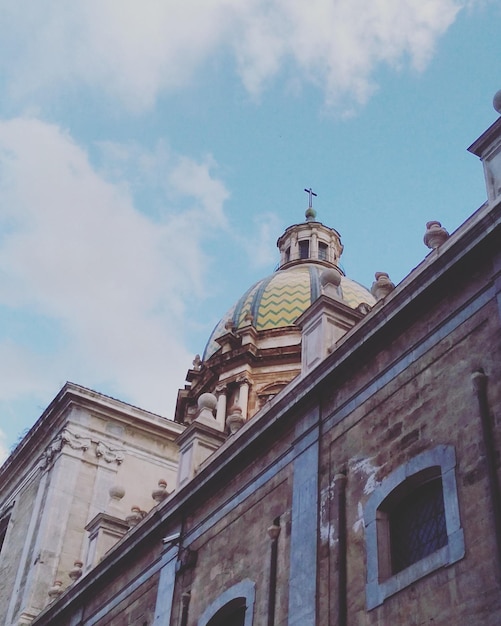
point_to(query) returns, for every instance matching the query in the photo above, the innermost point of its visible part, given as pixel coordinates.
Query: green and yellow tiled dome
(278, 300)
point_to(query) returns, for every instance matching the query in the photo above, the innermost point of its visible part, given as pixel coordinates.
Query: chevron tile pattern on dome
(353, 293)
(283, 299)
(279, 299)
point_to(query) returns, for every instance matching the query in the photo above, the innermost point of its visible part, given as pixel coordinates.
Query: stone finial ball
(496, 101)
(330, 277)
(207, 401)
(117, 491)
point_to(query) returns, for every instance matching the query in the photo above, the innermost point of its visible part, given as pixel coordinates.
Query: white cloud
(260, 242)
(133, 51)
(76, 249)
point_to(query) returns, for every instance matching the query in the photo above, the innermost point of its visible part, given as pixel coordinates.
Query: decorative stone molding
(76, 571)
(52, 449)
(364, 308)
(108, 454)
(55, 591)
(135, 516)
(207, 403)
(244, 379)
(235, 420)
(76, 442)
(191, 413)
(104, 532)
(160, 493)
(330, 279)
(496, 101)
(116, 493)
(435, 235)
(27, 615)
(382, 286)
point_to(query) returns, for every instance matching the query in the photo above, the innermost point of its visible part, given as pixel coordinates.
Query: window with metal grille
(304, 249)
(322, 251)
(412, 524)
(417, 525)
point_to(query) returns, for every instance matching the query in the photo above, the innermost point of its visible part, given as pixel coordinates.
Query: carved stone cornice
(244, 379)
(109, 454)
(76, 442)
(221, 388)
(79, 442)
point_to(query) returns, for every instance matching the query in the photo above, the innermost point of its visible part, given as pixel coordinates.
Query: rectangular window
(304, 249)
(322, 251)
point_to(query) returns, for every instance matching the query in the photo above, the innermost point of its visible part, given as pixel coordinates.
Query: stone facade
(59, 479)
(301, 515)
(398, 385)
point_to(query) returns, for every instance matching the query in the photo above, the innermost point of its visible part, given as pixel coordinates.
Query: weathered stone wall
(415, 394)
(79, 454)
(405, 391)
(235, 545)
(12, 549)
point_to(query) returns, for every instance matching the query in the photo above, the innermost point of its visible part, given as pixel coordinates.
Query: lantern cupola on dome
(255, 349)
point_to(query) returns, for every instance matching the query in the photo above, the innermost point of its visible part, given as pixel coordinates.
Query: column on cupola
(222, 399)
(243, 395)
(294, 247)
(283, 255)
(314, 245)
(331, 251)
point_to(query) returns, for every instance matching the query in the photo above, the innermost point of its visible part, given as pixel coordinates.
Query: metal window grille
(417, 525)
(304, 249)
(322, 251)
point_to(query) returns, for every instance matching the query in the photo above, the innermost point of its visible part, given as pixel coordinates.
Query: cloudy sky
(152, 152)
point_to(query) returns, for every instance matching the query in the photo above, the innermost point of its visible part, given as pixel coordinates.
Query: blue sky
(151, 153)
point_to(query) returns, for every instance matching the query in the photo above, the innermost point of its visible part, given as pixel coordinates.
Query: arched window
(231, 614)
(234, 607)
(412, 525)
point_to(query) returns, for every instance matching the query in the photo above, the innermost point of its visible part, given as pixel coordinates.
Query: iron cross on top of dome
(310, 211)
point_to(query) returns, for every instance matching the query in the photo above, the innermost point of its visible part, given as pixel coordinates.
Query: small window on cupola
(304, 249)
(288, 255)
(322, 251)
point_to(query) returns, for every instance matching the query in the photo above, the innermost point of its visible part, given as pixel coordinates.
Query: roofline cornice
(479, 227)
(52, 418)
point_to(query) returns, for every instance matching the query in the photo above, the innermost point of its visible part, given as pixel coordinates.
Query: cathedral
(332, 458)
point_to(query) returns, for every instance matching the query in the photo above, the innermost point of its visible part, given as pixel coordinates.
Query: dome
(279, 299)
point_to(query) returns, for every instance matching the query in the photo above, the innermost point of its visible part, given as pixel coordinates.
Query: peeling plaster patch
(325, 527)
(364, 466)
(369, 471)
(359, 524)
